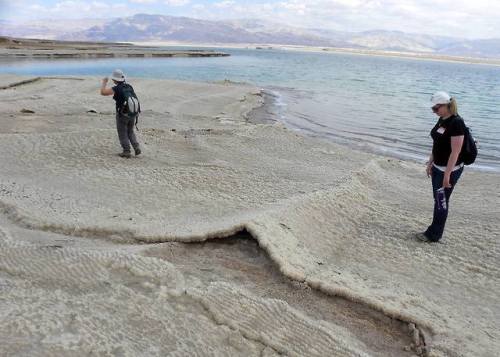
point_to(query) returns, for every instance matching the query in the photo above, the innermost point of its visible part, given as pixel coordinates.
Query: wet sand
(228, 236)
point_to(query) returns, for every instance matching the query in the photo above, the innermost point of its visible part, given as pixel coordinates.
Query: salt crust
(338, 220)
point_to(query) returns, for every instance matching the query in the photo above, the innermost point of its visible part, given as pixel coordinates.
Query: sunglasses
(436, 107)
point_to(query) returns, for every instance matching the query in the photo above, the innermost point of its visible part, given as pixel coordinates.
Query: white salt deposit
(338, 220)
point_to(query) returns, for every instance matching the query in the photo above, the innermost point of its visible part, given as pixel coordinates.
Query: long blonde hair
(453, 106)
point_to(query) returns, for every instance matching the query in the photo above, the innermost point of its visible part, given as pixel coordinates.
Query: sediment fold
(256, 229)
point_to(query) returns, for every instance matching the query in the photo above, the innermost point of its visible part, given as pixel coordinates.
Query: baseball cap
(440, 98)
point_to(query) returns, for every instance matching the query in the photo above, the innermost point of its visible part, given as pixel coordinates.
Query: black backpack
(130, 106)
(468, 153)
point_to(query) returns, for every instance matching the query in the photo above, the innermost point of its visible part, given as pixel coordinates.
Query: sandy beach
(228, 236)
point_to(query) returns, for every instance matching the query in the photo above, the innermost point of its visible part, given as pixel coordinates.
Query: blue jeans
(435, 231)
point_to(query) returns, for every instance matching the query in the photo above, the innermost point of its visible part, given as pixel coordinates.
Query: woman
(445, 165)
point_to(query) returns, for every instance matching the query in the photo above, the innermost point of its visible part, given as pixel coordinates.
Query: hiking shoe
(137, 151)
(125, 154)
(422, 237)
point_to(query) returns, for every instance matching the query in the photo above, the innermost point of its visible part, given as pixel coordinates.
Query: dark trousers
(436, 229)
(126, 134)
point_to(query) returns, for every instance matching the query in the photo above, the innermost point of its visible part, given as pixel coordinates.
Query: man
(124, 121)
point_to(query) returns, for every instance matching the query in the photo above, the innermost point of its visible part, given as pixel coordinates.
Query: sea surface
(374, 103)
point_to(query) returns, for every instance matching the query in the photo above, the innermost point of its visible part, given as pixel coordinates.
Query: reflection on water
(374, 103)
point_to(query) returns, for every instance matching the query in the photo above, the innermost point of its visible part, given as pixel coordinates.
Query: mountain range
(144, 27)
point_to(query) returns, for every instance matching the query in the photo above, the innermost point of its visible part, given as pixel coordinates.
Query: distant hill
(168, 28)
(143, 27)
(476, 48)
(401, 41)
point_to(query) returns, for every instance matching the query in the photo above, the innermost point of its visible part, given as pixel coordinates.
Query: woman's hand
(456, 147)
(428, 169)
(446, 181)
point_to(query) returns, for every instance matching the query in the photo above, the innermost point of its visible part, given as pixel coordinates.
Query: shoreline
(323, 49)
(271, 111)
(324, 213)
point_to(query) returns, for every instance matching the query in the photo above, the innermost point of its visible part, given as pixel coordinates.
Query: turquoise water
(378, 104)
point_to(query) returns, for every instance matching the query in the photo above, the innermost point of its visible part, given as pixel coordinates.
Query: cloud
(459, 18)
(445, 17)
(198, 7)
(176, 2)
(69, 9)
(224, 4)
(143, 1)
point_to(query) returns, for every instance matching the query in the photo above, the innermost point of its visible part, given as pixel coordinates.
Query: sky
(457, 18)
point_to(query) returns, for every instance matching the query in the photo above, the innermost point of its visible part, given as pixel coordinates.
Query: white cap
(440, 98)
(118, 75)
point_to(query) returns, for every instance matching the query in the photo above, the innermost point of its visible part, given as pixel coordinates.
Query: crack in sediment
(418, 337)
(15, 215)
(126, 236)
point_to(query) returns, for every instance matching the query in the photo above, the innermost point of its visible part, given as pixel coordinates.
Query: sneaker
(125, 154)
(137, 151)
(422, 237)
